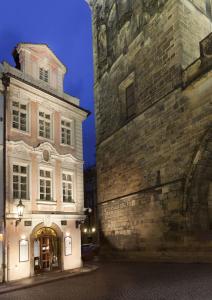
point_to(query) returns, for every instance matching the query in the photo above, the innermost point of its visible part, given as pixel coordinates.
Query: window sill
(69, 204)
(46, 139)
(68, 146)
(28, 133)
(46, 202)
(23, 200)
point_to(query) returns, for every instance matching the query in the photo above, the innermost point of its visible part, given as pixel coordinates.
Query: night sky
(66, 27)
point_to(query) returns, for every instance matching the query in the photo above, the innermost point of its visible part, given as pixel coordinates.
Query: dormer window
(44, 74)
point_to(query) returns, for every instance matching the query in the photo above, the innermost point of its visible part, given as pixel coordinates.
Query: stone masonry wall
(153, 217)
(143, 163)
(192, 18)
(154, 48)
(153, 55)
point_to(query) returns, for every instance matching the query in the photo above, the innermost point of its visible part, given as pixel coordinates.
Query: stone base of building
(160, 224)
(183, 256)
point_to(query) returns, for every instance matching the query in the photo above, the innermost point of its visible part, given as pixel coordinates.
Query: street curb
(9, 289)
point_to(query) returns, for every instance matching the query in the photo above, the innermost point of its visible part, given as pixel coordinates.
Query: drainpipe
(6, 83)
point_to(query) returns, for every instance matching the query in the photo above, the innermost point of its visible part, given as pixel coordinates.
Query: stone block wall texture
(154, 170)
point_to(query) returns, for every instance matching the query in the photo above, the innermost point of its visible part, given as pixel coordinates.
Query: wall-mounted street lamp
(78, 223)
(89, 230)
(20, 212)
(88, 210)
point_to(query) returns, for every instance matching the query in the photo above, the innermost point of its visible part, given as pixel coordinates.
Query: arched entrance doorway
(198, 187)
(46, 250)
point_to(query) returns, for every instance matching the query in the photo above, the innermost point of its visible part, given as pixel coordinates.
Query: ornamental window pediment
(22, 149)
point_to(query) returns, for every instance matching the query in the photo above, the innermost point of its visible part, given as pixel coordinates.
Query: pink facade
(44, 167)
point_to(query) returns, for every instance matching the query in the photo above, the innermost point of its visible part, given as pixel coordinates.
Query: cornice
(24, 79)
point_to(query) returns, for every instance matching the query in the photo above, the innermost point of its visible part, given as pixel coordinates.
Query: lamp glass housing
(20, 209)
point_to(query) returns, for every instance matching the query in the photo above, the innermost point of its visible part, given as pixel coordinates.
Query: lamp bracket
(78, 223)
(17, 222)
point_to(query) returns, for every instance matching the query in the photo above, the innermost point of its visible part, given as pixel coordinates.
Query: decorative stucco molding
(21, 145)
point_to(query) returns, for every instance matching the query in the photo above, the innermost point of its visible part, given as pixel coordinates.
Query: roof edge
(20, 45)
(47, 92)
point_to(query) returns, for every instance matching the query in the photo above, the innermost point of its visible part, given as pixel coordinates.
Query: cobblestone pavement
(128, 281)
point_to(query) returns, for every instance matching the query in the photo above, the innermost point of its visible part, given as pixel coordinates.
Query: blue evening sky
(66, 27)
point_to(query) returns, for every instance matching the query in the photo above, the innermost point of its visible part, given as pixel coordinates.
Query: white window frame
(71, 121)
(44, 168)
(21, 102)
(28, 176)
(42, 76)
(72, 173)
(68, 173)
(49, 112)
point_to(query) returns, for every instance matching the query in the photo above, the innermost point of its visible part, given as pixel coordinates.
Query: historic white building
(41, 165)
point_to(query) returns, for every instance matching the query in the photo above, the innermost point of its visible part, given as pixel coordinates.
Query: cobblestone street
(128, 281)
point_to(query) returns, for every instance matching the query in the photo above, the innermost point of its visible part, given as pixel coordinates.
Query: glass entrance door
(46, 250)
(45, 253)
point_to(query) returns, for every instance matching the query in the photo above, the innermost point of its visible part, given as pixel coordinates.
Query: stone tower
(153, 85)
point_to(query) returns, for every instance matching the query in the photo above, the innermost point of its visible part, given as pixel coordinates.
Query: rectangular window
(44, 125)
(19, 116)
(44, 74)
(65, 132)
(208, 8)
(20, 182)
(130, 100)
(67, 188)
(45, 185)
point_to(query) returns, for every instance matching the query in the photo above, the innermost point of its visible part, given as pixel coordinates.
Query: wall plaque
(27, 223)
(23, 250)
(36, 248)
(63, 222)
(68, 245)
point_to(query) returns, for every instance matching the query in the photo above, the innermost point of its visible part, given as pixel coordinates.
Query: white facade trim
(44, 146)
(40, 216)
(23, 46)
(39, 95)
